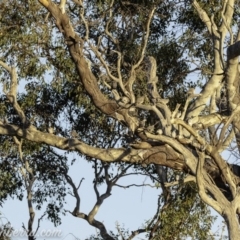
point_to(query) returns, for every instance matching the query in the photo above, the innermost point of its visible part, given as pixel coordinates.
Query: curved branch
(226, 125)
(163, 155)
(12, 93)
(205, 18)
(155, 110)
(74, 44)
(218, 73)
(136, 232)
(189, 158)
(202, 184)
(135, 66)
(226, 172)
(195, 134)
(75, 47)
(90, 217)
(115, 41)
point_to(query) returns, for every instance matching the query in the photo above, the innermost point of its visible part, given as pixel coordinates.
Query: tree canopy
(134, 87)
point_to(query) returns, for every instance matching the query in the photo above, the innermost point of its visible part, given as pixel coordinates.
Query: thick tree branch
(189, 158)
(163, 155)
(218, 73)
(212, 28)
(194, 133)
(5, 66)
(227, 12)
(225, 170)
(232, 81)
(75, 46)
(232, 76)
(202, 184)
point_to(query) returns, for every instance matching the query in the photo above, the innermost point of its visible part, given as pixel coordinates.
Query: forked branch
(12, 92)
(143, 49)
(202, 184)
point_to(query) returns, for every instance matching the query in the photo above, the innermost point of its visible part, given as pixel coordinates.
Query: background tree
(120, 73)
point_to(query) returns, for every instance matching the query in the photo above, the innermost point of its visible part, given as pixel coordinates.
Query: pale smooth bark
(189, 150)
(232, 223)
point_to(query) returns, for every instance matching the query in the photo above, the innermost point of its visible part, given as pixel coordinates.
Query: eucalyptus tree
(124, 72)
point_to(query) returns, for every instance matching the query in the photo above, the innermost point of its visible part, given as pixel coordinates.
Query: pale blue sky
(129, 207)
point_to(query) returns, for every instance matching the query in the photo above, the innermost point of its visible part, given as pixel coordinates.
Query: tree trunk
(232, 225)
